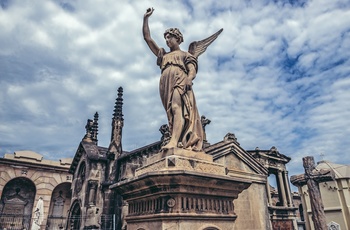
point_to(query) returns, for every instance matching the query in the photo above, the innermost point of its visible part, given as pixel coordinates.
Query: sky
(278, 75)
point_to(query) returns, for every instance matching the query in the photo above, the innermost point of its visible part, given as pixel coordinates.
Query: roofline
(35, 165)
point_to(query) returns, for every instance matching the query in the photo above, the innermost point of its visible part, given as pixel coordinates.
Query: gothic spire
(115, 147)
(118, 107)
(117, 123)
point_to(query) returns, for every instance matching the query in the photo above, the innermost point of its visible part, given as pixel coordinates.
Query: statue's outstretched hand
(148, 12)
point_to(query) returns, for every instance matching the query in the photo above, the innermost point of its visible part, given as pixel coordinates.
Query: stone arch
(75, 216)
(17, 203)
(210, 227)
(59, 206)
(80, 177)
(301, 212)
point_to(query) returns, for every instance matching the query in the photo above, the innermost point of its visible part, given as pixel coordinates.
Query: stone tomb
(181, 189)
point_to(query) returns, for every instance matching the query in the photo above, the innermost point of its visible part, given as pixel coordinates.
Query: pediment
(233, 156)
(90, 151)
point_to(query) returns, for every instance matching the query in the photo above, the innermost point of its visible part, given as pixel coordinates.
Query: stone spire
(117, 124)
(95, 129)
(118, 107)
(115, 147)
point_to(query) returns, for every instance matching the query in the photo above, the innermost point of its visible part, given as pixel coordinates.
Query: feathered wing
(196, 48)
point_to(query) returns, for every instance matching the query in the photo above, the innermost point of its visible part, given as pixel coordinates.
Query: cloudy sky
(278, 75)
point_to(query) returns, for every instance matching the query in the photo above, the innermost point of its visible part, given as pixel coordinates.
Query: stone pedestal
(180, 189)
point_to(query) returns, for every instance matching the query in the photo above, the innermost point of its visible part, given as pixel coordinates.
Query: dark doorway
(17, 202)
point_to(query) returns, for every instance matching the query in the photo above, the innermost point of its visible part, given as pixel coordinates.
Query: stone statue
(38, 214)
(178, 69)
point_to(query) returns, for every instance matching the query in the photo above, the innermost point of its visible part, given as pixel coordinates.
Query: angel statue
(178, 69)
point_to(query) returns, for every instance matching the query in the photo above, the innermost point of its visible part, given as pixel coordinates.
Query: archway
(301, 212)
(211, 228)
(17, 202)
(59, 206)
(74, 216)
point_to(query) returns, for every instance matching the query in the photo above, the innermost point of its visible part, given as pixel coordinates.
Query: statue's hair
(175, 32)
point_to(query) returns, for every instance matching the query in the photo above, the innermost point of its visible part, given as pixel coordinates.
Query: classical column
(282, 188)
(268, 192)
(287, 187)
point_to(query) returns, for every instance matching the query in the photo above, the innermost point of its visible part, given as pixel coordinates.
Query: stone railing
(183, 204)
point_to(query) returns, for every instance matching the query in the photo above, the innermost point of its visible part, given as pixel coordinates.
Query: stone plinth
(177, 191)
(181, 159)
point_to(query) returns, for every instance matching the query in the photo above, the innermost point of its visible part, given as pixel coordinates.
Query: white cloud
(277, 75)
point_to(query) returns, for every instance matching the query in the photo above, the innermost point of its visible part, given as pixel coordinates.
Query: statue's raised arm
(147, 34)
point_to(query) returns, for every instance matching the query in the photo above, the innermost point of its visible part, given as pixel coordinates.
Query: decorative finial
(205, 121)
(164, 130)
(95, 128)
(322, 156)
(230, 137)
(118, 107)
(88, 128)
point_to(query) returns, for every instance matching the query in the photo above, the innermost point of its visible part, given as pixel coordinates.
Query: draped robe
(174, 73)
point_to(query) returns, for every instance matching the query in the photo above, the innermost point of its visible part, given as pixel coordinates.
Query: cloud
(277, 75)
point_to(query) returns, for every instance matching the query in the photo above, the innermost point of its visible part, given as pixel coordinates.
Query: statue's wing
(196, 48)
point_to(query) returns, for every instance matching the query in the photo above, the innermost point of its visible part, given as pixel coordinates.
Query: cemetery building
(147, 189)
(109, 188)
(25, 177)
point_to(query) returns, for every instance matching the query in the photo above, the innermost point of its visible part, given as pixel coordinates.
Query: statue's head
(176, 33)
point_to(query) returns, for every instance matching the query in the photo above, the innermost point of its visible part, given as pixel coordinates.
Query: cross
(322, 156)
(312, 178)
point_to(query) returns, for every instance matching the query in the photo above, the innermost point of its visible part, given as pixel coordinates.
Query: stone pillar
(268, 191)
(282, 188)
(287, 188)
(92, 192)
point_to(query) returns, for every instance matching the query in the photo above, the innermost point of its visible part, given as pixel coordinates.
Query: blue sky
(278, 75)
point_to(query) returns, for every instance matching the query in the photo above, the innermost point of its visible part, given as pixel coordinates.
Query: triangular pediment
(233, 156)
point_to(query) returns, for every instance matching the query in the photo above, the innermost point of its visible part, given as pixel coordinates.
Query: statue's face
(171, 41)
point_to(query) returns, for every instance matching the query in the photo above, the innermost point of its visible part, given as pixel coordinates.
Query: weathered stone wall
(251, 205)
(335, 203)
(251, 208)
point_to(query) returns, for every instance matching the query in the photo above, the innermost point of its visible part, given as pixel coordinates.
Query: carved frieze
(182, 163)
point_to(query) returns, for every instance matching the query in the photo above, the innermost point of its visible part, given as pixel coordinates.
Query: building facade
(25, 177)
(92, 190)
(101, 176)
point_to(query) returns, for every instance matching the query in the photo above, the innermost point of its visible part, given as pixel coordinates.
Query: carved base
(181, 159)
(201, 155)
(182, 192)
